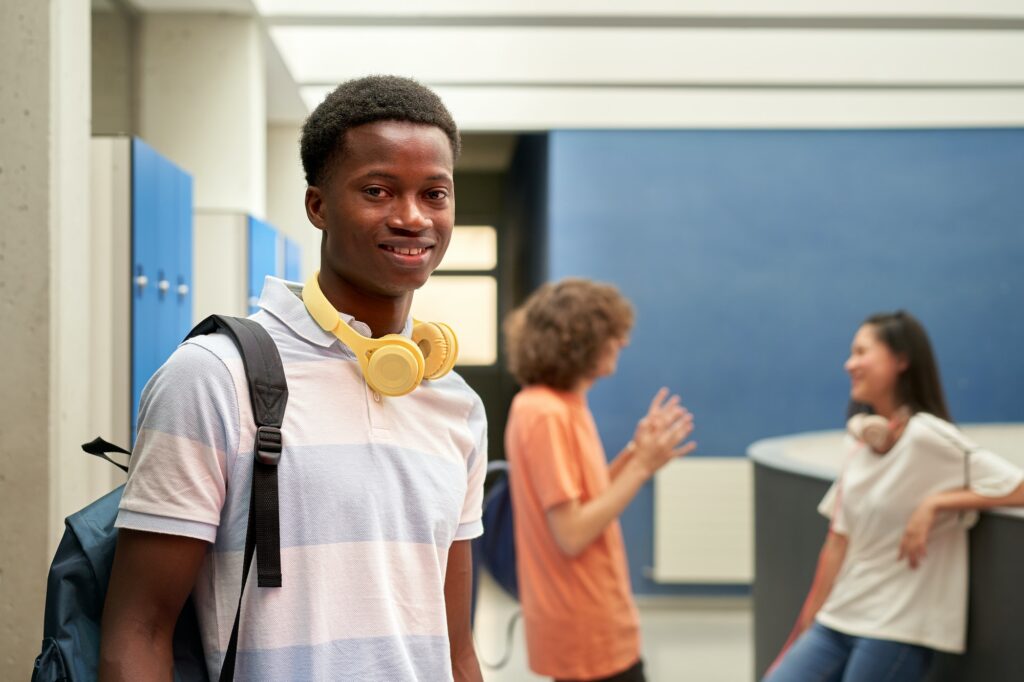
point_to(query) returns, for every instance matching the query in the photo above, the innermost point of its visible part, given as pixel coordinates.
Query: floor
(699, 639)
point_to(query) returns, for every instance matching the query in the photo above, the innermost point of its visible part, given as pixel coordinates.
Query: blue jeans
(824, 655)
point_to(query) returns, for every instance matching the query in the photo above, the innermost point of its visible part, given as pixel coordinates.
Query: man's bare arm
(152, 576)
(458, 595)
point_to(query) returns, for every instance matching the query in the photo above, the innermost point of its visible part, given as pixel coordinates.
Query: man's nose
(408, 215)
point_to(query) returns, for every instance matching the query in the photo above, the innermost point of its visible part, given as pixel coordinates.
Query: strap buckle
(268, 445)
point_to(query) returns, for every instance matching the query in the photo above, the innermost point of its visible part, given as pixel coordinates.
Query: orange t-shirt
(581, 621)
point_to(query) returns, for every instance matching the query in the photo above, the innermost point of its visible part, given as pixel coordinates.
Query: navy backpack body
(77, 584)
(77, 587)
(496, 548)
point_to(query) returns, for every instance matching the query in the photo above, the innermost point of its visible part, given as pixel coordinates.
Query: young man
(379, 496)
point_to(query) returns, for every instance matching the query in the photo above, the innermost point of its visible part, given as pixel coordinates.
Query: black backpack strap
(101, 448)
(268, 392)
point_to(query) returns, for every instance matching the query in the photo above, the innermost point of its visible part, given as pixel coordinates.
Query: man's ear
(315, 207)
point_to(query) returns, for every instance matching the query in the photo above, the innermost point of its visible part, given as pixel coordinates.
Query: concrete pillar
(286, 187)
(44, 208)
(202, 103)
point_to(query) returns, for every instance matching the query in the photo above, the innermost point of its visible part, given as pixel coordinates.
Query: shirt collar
(283, 300)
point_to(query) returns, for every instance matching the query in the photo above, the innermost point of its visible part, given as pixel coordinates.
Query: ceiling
(507, 66)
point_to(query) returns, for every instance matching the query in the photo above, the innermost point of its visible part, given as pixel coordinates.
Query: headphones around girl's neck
(877, 432)
(392, 365)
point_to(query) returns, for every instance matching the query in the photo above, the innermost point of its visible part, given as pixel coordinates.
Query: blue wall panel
(752, 256)
(263, 258)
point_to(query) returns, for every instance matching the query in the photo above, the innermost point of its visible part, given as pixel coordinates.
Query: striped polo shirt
(373, 491)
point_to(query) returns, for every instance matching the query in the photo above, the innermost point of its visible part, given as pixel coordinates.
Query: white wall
(286, 187)
(113, 70)
(201, 89)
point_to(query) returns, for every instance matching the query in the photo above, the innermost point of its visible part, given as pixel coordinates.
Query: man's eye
(374, 191)
(437, 194)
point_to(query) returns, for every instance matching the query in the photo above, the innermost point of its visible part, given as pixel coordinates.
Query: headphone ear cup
(452, 356)
(434, 344)
(396, 367)
(871, 429)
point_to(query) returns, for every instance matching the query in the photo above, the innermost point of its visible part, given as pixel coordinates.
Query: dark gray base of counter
(788, 536)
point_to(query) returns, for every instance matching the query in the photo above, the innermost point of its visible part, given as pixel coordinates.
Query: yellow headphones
(392, 365)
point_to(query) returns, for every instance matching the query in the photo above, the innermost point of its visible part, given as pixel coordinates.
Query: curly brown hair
(557, 336)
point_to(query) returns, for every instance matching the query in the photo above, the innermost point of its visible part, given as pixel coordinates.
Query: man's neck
(382, 314)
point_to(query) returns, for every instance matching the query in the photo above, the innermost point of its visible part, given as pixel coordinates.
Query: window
(463, 293)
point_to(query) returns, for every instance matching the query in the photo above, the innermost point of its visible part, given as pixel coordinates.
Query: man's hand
(913, 546)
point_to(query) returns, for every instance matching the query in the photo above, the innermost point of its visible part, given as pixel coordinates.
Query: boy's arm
(458, 594)
(658, 440)
(152, 576)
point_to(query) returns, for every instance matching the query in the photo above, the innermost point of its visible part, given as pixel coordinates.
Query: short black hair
(366, 100)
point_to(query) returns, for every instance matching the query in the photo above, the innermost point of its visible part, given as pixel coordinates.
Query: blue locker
(161, 238)
(263, 258)
(292, 260)
(183, 283)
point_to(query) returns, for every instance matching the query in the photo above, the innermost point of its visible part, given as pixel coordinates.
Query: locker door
(292, 260)
(145, 268)
(183, 285)
(262, 258)
(167, 260)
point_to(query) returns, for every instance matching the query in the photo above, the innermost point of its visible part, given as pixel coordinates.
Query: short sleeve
(550, 462)
(470, 521)
(990, 475)
(984, 472)
(831, 508)
(188, 427)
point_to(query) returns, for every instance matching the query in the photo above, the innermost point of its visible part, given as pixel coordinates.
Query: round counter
(792, 473)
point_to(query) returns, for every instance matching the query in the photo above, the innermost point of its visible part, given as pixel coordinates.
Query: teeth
(405, 252)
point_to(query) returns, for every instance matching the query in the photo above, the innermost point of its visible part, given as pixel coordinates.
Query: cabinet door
(145, 346)
(263, 258)
(167, 259)
(183, 283)
(161, 236)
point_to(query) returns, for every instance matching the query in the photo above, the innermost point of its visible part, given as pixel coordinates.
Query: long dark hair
(919, 386)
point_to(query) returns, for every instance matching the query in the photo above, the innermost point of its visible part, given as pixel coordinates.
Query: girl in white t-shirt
(891, 586)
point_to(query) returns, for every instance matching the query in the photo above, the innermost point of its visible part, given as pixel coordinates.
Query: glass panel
(473, 247)
(469, 305)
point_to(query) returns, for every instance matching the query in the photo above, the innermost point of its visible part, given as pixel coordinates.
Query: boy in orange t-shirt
(581, 621)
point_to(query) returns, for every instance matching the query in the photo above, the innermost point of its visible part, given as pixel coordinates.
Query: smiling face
(874, 370)
(387, 209)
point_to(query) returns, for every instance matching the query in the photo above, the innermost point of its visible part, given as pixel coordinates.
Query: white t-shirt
(876, 594)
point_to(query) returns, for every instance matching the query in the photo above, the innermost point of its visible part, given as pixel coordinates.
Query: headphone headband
(392, 365)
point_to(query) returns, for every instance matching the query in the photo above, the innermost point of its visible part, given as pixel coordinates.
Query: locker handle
(141, 281)
(183, 290)
(163, 285)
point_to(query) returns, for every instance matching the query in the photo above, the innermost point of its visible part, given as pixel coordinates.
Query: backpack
(496, 549)
(77, 583)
